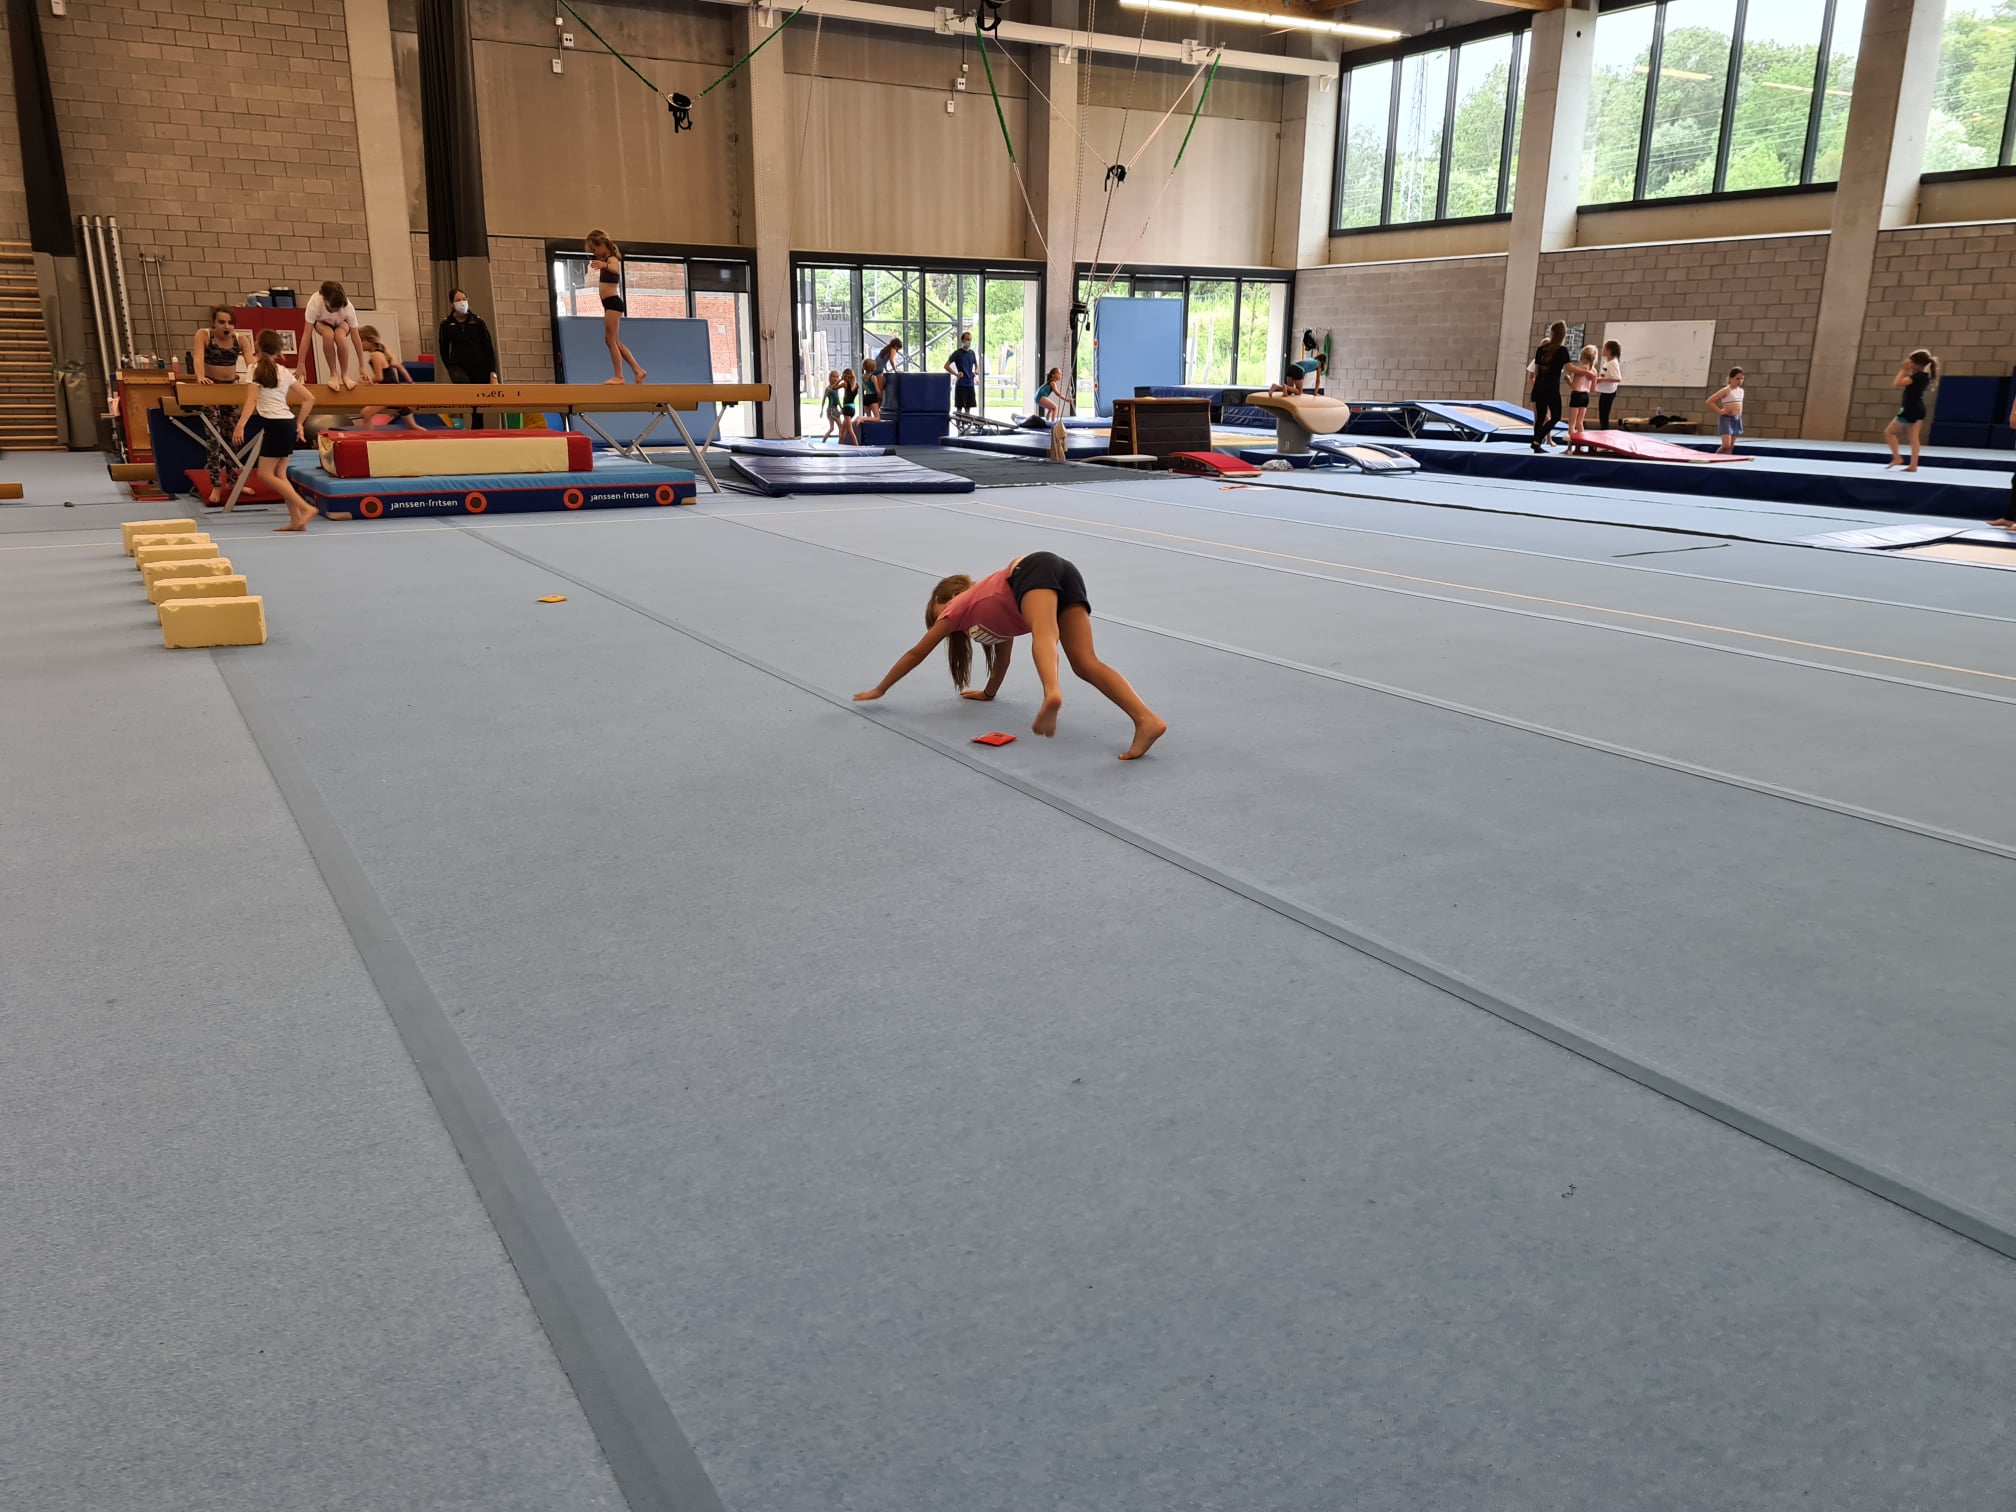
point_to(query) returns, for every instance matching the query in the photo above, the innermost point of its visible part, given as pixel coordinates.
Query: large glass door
(845, 312)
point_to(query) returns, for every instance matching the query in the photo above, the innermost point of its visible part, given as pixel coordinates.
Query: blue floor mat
(781, 474)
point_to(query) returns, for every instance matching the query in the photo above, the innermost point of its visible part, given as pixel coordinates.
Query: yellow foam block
(214, 622)
(155, 572)
(194, 538)
(230, 585)
(151, 527)
(187, 553)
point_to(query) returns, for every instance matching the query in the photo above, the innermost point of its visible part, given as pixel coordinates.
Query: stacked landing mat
(384, 453)
(843, 473)
(614, 483)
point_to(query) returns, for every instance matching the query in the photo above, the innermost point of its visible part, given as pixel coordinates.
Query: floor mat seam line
(653, 1462)
(1558, 619)
(1556, 556)
(1567, 737)
(1893, 1187)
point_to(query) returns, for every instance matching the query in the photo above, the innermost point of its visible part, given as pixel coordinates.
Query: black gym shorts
(1046, 569)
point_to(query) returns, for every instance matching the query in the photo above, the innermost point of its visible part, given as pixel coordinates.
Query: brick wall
(13, 200)
(1407, 330)
(524, 319)
(1762, 293)
(259, 186)
(1942, 287)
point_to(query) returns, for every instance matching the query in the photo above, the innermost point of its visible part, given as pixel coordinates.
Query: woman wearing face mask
(464, 350)
(964, 364)
(467, 353)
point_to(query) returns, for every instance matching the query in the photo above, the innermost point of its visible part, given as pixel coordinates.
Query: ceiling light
(1264, 18)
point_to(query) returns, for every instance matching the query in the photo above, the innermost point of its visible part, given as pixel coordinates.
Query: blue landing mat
(616, 483)
(1863, 454)
(1827, 485)
(779, 475)
(1077, 444)
(758, 447)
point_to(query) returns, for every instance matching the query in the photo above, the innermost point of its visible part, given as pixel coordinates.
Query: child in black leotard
(380, 368)
(1919, 372)
(607, 264)
(849, 391)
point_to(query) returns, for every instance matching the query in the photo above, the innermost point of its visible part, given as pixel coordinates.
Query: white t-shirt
(319, 313)
(1612, 377)
(271, 403)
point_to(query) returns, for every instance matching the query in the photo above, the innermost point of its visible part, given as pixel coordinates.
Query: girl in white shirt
(269, 394)
(1609, 379)
(1726, 403)
(331, 316)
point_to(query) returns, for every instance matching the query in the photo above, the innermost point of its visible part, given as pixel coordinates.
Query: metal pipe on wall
(125, 301)
(97, 299)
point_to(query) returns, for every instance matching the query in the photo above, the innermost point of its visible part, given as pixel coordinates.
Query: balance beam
(585, 400)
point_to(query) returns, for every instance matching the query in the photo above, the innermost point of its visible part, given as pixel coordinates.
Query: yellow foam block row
(231, 585)
(214, 622)
(152, 527)
(191, 552)
(155, 572)
(194, 538)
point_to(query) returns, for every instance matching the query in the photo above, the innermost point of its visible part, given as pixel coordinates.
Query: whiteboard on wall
(1664, 353)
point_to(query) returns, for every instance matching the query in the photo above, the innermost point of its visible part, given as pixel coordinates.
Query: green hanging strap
(1196, 113)
(999, 114)
(752, 51)
(589, 27)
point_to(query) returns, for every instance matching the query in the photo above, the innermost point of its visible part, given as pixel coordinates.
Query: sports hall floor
(1538, 1033)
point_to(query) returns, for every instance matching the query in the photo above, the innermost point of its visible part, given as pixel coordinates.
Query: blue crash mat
(853, 472)
(615, 483)
(1078, 444)
(760, 447)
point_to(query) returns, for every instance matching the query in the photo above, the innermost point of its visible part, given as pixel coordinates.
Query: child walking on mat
(1041, 596)
(270, 392)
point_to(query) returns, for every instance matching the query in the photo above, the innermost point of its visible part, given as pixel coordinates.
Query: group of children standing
(1602, 373)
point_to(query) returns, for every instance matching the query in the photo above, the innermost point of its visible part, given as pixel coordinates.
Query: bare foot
(1912, 468)
(1046, 717)
(2002, 524)
(1146, 733)
(607, 381)
(283, 529)
(641, 375)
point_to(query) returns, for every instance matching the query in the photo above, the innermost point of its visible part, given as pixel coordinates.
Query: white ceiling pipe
(948, 22)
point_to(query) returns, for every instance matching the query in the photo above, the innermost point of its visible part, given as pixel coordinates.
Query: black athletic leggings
(1546, 414)
(1603, 403)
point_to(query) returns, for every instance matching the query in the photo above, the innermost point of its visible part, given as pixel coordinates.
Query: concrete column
(1880, 164)
(1308, 162)
(375, 100)
(1050, 169)
(769, 155)
(1559, 51)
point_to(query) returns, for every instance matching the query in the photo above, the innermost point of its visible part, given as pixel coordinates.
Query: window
(1361, 188)
(1233, 325)
(1693, 97)
(658, 286)
(1430, 136)
(845, 311)
(1970, 103)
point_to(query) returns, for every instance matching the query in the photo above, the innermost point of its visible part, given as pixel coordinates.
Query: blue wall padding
(671, 351)
(1971, 401)
(1139, 344)
(918, 393)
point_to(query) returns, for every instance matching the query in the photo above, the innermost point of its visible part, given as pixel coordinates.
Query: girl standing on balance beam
(607, 263)
(1041, 596)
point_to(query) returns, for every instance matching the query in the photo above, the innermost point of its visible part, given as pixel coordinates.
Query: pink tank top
(1581, 385)
(987, 611)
